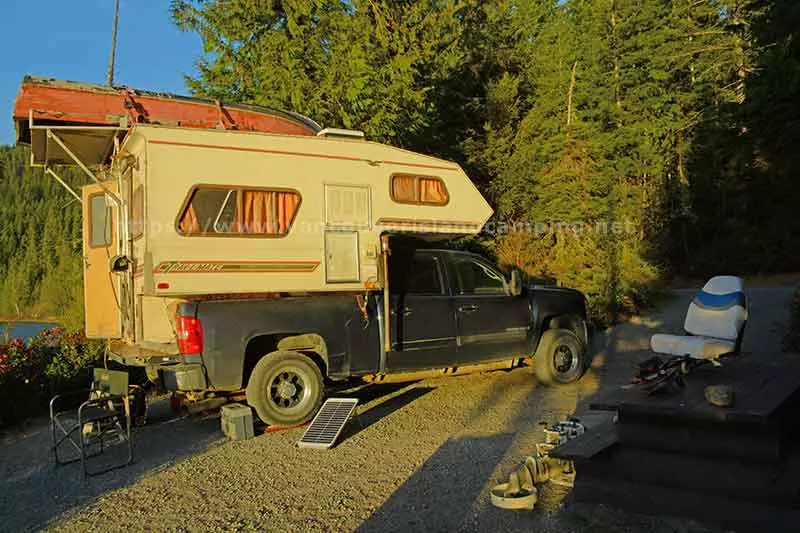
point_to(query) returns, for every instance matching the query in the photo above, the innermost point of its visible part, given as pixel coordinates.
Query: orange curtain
(404, 188)
(189, 222)
(432, 191)
(264, 212)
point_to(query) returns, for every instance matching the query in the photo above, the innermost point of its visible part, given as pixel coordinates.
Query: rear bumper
(174, 371)
(183, 377)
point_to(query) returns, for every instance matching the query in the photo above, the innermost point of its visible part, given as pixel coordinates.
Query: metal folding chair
(103, 418)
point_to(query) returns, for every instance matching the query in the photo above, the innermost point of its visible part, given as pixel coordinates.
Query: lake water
(23, 330)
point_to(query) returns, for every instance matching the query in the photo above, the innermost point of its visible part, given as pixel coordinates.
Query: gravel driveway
(421, 456)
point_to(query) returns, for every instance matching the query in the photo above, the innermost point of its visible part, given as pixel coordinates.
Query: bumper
(174, 371)
(182, 377)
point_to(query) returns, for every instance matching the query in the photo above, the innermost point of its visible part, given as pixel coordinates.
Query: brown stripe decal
(300, 154)
(418, 223)
(234, 267)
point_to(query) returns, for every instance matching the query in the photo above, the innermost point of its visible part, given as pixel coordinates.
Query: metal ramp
(328, 423)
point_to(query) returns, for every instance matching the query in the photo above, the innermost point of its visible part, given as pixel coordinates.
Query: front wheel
(285, 388)
(560, 357)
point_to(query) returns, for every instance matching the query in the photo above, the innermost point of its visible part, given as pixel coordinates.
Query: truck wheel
(285, 388)
(560, 357)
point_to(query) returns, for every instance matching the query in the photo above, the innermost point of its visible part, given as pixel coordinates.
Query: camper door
(100, 244)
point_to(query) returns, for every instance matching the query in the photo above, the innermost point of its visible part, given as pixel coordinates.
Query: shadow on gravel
(33, 492)
(373, 391)
(383, 409)
(439, 495)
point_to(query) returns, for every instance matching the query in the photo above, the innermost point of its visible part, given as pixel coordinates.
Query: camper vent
(338, 133)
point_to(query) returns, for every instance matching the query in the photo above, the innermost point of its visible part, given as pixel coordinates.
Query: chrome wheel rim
(287, 389)
(564, 359)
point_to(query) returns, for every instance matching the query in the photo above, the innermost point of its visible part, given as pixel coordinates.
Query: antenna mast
(110, 73)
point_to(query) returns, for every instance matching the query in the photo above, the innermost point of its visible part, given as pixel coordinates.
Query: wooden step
(736, 441)
(709, 507)
(745, 480)
(591, 443)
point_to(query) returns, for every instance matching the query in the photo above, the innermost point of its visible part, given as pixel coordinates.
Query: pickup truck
(448, 310)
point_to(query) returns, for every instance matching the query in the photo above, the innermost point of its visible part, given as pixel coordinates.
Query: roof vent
(338, 133)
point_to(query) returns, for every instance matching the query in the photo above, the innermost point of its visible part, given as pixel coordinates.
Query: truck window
(475, 277)
(413, 189)
(231, 211)
(418, 274)
(99, 221)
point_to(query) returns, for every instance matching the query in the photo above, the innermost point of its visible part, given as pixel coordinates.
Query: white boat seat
(691, 345)
(714, 322)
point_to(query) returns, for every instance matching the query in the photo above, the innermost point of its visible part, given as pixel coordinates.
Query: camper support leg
(387, 318)
(57, 139)
(63, 184)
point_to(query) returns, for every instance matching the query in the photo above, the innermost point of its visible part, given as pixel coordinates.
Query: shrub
(32, 372)
(614, 279)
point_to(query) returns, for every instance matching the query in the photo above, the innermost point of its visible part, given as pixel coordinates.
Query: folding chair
(104, 417)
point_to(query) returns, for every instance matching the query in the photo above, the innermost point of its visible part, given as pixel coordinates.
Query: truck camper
(234, 248)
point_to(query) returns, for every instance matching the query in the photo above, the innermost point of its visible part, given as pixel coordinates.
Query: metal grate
(328, 424)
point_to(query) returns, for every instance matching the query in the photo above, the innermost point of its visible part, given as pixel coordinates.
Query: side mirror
(119, 263)
(516, 282)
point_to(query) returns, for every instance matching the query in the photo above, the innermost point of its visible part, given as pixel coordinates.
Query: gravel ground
(421, 456)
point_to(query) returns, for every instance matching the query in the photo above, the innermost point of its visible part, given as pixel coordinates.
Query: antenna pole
(110, 73)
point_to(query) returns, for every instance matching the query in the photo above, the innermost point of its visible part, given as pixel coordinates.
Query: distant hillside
(40, 243)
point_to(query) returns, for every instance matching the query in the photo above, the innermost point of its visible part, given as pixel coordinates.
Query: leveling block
(328, 424)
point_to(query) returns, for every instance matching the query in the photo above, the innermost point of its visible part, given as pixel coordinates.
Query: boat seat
(714, 323)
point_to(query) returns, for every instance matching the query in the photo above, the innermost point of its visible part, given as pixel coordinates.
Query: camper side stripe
(233, 267)
(300, 154)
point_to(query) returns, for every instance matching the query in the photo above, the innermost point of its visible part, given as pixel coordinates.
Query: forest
(621, 142)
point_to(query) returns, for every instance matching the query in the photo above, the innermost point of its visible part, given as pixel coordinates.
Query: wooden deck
(675, 453)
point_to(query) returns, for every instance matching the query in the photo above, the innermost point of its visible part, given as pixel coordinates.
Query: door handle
(467, 308)
(405, 311)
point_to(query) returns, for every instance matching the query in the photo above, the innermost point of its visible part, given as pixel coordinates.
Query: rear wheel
(285, 388)
(560, 357)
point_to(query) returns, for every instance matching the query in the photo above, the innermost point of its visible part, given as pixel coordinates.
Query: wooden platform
(736, 467)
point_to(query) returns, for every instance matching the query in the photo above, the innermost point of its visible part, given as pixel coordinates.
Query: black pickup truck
(448, 310)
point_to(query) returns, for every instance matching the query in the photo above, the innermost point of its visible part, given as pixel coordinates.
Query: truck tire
(285, 388)
(560, 357)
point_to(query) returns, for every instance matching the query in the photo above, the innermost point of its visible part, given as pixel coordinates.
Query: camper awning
(90, 145)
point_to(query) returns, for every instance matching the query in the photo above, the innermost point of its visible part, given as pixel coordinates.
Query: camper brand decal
(232, 267)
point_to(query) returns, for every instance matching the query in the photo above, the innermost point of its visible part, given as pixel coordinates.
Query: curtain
(189, 222)
(404, 188)
(264, 212)
(432, 191)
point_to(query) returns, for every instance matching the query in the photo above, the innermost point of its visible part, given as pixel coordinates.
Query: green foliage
(40, 243)
(51, 363)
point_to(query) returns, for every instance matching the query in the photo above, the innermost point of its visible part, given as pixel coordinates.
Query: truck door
(423, 323)
(100, 244)
(492, 324)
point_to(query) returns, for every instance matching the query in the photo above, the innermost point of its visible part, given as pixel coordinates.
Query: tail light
(190, 335)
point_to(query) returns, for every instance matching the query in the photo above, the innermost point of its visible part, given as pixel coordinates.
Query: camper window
(234, 211)
(413, 189)
(99, 221)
